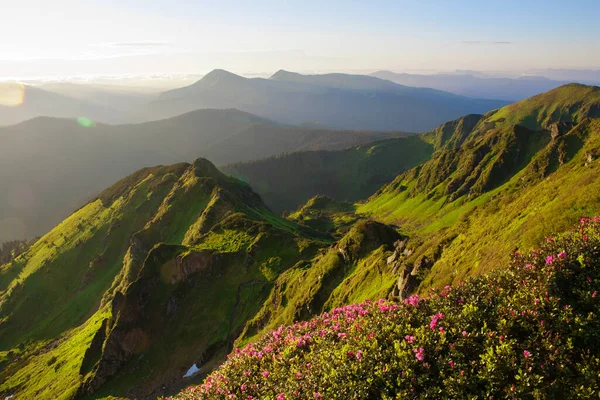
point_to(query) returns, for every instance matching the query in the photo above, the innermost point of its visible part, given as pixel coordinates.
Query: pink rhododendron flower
(419, 353)
(412, 300)
(434, 320)
(526, 353)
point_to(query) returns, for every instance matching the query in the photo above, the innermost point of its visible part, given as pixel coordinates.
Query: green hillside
(522, 172)
(192, 248)
(169, 268)
(286, 181)
(527, 331)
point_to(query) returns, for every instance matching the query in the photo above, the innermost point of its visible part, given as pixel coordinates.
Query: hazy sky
(81, 37)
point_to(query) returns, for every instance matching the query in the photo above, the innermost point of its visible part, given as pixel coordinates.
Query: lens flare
(86, 122)
(12, 94)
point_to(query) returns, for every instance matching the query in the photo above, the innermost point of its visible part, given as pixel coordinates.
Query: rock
(392, 258)
(410, 277)
(344, 254)
(559, 128)
(95, 350)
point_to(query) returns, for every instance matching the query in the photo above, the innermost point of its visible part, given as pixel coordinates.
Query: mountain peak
(571, 102)
(203, 167)
(219, 75)
(284, 75)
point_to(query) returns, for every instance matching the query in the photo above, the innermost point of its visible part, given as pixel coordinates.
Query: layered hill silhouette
(129, 100)
(336, 100)
(49, 167)
(510, 89)
(288, 180)
(19, 102)
(148, 286)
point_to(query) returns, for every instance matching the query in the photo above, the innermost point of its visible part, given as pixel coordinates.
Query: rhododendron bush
(531, 330)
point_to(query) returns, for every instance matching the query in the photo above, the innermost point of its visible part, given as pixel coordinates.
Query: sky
(65, 38)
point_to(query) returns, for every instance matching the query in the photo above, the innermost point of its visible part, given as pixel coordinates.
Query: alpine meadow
(413, 213)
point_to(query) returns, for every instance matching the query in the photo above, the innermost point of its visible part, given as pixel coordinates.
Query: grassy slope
(527, 331)
(484, 199)
(289, 180)
(200, 245)
(50, 291)
(352, 269)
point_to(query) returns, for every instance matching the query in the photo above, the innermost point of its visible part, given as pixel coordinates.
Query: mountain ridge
(342, 101)
(70, 163)
(510, 89)
(501, 167)
(27, 102)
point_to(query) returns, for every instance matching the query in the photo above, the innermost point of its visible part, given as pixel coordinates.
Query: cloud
(136, 44)
(482, 42)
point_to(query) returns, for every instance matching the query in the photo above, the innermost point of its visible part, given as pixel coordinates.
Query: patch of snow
(193, 369)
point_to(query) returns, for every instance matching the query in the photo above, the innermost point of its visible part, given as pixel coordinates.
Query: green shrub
(529, 331)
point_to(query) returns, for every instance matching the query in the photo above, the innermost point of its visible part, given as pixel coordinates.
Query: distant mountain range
(129, 100)
(340, 101)
(49, 166)
(508, 89)
(20, 102)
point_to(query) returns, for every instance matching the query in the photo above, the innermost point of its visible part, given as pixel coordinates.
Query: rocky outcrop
(410, 275)
(560, 128)
(94, 352)
(130, 331)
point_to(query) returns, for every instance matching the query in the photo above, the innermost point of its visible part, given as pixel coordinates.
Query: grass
(51, 370)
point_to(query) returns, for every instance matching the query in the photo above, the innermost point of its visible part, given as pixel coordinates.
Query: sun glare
(86, 122)
(12, 94)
